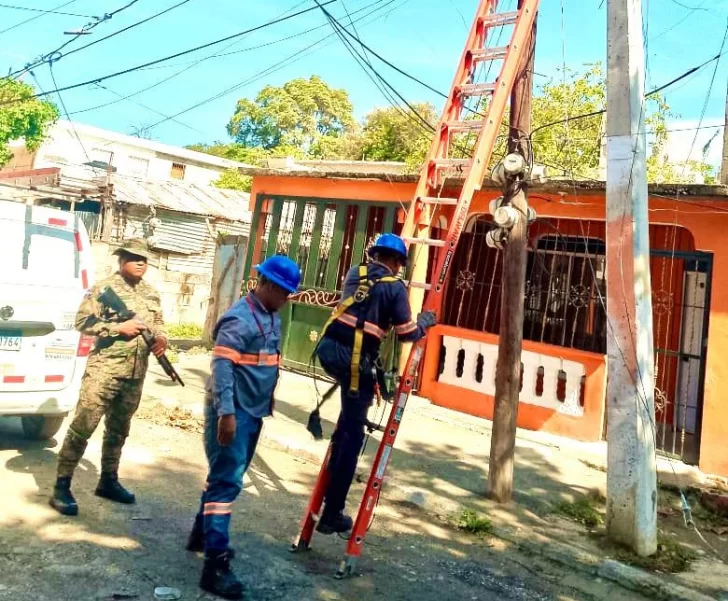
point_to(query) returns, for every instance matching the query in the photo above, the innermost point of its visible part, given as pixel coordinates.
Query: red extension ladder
(453, 123)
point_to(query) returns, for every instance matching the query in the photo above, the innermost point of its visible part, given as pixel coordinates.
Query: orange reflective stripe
(373, 329)
(217, 509)
(405, 328)
(369, 327)
(348, 319)
(224, 352)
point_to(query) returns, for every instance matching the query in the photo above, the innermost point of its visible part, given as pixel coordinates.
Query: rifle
(109, 298)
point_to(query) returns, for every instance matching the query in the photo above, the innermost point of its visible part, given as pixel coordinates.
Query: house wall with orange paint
(703, 214)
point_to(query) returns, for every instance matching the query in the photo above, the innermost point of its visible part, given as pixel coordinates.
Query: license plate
(10, 343)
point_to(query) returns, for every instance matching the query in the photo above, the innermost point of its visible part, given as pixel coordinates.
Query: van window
(50, 259)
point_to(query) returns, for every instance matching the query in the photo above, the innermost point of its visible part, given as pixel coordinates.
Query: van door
(44, 277)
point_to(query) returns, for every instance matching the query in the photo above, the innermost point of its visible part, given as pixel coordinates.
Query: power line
(65, 111)
(707, 100)
(149, 108)
(338, 27)
(662, 88)
(193, 64)
(56, 55)
(177, 54)
(43, 14)
(296, 56)
(46, 12)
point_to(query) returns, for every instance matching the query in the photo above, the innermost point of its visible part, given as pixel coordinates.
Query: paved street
(413, 550)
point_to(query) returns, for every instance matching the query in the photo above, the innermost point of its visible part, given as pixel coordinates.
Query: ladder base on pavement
(300, 546)
(346, 568)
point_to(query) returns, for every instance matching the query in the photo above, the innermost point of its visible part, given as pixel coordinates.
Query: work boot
(62, 500)
(196, 542)
(334, 522)
(109, 488)
(218, 577)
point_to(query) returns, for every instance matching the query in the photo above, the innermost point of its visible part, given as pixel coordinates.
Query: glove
(427, 319)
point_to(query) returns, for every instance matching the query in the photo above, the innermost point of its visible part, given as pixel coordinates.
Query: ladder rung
(433, 200)
(427, 241)
(500, 19)
(450, 163)
(468, 125)
(490, 54)
(420, 285)
(477, 89)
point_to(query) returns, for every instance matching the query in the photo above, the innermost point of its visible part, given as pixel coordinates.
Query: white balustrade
(552, 366)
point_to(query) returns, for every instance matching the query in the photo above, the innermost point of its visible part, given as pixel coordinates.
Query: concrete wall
(62, 149)
(705, 217)
(184, 296)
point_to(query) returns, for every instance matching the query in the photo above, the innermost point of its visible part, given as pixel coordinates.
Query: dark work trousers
(227, 465)
(347, 440)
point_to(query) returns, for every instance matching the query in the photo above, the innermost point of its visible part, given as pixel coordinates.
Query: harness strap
(361, 295)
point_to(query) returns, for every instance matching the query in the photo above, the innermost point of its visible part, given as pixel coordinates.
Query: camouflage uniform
(112, 384)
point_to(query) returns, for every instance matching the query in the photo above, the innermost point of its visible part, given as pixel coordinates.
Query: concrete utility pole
(631, 477)
(724, 162)
(508, 368)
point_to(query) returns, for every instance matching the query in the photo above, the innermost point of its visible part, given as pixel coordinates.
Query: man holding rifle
(112, 384)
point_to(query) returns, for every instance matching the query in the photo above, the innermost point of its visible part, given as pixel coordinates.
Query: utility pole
(724, 162)
(631, 475)
(107, 222)
(508, 368)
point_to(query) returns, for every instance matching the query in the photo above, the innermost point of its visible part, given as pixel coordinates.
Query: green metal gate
(325, 237)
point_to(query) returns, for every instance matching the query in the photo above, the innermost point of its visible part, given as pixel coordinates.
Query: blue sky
(424, 37)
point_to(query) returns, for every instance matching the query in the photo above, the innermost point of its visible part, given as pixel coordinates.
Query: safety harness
(360, 296)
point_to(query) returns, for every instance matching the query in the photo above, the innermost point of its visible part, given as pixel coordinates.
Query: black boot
(196, 542)
(334, 522)
(62, 500)
(109, 488)
(218, 577)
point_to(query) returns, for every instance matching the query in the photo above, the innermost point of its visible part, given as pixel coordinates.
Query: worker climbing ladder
(458, 118)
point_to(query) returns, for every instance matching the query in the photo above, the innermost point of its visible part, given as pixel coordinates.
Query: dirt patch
(175, 416)
(672, 557)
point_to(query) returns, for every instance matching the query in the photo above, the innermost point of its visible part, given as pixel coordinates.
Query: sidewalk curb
(623, 575)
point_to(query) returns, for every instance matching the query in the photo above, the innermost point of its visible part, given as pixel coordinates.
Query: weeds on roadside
(185, 331)
(469, 521)
(583, 511)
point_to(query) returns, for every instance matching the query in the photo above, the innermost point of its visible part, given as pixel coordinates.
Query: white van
(46, 267)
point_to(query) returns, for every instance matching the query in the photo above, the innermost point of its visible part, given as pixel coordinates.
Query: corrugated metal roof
(184, 197)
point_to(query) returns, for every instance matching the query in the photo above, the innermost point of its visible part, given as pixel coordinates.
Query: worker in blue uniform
(239, 395)
(374, 300)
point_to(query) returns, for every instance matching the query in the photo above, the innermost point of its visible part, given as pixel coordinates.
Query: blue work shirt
(387, 306)
(246, 358)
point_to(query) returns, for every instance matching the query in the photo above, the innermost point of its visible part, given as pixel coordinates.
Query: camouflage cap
(136, 247)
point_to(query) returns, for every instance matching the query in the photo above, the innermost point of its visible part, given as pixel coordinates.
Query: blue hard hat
(281, 271)
(391, 243)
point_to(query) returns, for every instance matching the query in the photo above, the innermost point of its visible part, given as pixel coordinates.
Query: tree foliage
(575, 144)
(391, 134)
(232, 179)
(24, 118)
(303, 113)
(306, 118)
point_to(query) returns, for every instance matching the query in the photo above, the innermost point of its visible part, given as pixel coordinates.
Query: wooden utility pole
(724, 162)
(631, 475)
(508, 368)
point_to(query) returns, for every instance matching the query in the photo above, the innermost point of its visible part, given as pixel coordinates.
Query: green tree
(24, 117)
(575, 144)
(391, 134)
(232, 179)
(303, 113)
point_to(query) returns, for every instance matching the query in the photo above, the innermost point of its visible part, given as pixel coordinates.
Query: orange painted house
(325, 220)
